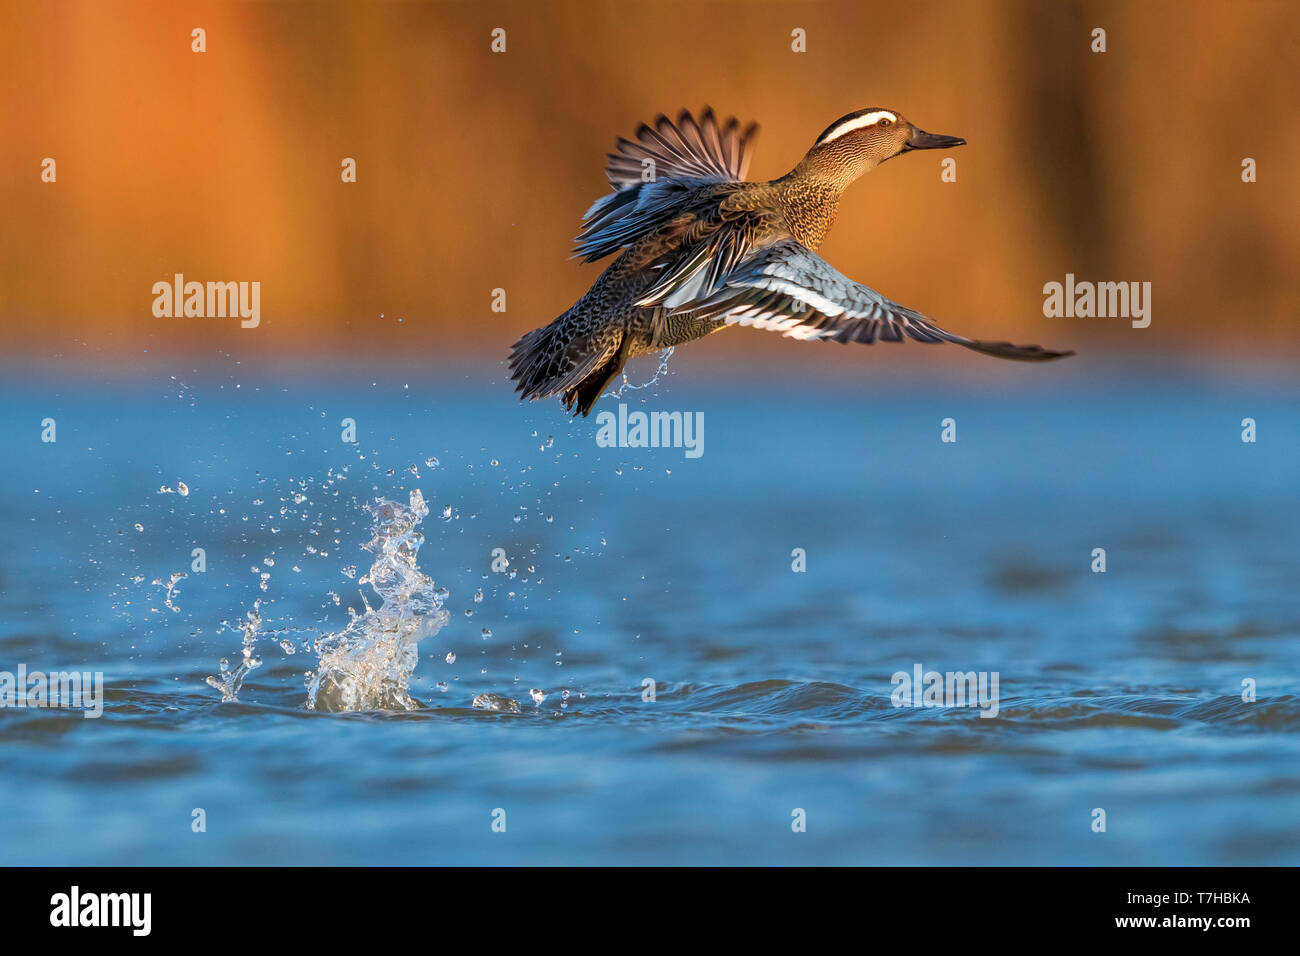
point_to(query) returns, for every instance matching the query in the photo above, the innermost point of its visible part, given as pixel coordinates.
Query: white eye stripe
(858, 122)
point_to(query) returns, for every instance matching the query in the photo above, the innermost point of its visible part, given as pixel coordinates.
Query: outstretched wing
(786, 287)
(663, 170)
(705, 150)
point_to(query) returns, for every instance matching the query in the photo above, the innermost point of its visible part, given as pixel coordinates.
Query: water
(392, 685)
(368, 665)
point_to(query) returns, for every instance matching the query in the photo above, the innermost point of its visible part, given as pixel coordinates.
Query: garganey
(701, 249)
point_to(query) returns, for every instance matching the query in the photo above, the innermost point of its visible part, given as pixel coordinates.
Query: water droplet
(496, 702)
(451, 657)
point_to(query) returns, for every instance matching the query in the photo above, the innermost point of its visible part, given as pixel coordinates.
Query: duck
(699, 249)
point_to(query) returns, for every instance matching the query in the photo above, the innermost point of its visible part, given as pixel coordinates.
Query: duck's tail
(561, 359)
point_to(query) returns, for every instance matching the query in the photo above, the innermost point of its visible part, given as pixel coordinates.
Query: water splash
(662, 370)
(368, 665)
(228, 681)
(172, 590)
(497, 703)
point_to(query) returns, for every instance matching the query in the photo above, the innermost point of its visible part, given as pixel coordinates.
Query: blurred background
(1121, 690)
(473, 168)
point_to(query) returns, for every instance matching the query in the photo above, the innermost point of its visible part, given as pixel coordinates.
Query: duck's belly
(651, 330)
(612, 301)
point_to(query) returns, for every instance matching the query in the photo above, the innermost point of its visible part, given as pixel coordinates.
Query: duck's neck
(809, 204)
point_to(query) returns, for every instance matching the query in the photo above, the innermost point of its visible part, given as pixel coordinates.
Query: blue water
(1119, 690)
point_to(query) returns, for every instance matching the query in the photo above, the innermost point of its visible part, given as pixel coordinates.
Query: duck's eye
(883, 122)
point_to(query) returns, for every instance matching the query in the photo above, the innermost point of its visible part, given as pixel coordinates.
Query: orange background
(474, 167)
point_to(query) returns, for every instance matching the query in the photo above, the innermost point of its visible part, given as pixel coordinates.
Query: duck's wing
(664, 169)
(788, 288)
(688, 149)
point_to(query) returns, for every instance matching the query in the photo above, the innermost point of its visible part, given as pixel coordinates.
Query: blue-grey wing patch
(705, 258)
(786, 287)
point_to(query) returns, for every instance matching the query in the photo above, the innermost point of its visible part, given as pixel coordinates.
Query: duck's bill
(923, 140)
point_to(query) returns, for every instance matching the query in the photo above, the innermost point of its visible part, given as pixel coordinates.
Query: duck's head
(863, 140)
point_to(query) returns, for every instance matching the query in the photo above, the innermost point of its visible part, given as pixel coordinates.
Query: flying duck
(701, 249)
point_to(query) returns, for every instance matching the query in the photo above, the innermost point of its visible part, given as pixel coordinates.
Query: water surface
(1119, 690)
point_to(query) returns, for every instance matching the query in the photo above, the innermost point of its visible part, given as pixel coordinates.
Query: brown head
(863, 140)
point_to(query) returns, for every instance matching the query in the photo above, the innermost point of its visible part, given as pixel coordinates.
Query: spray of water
(368, 665)
(229, 681)
(662, 370)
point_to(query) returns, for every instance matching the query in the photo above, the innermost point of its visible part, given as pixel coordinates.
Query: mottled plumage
(700, 249)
